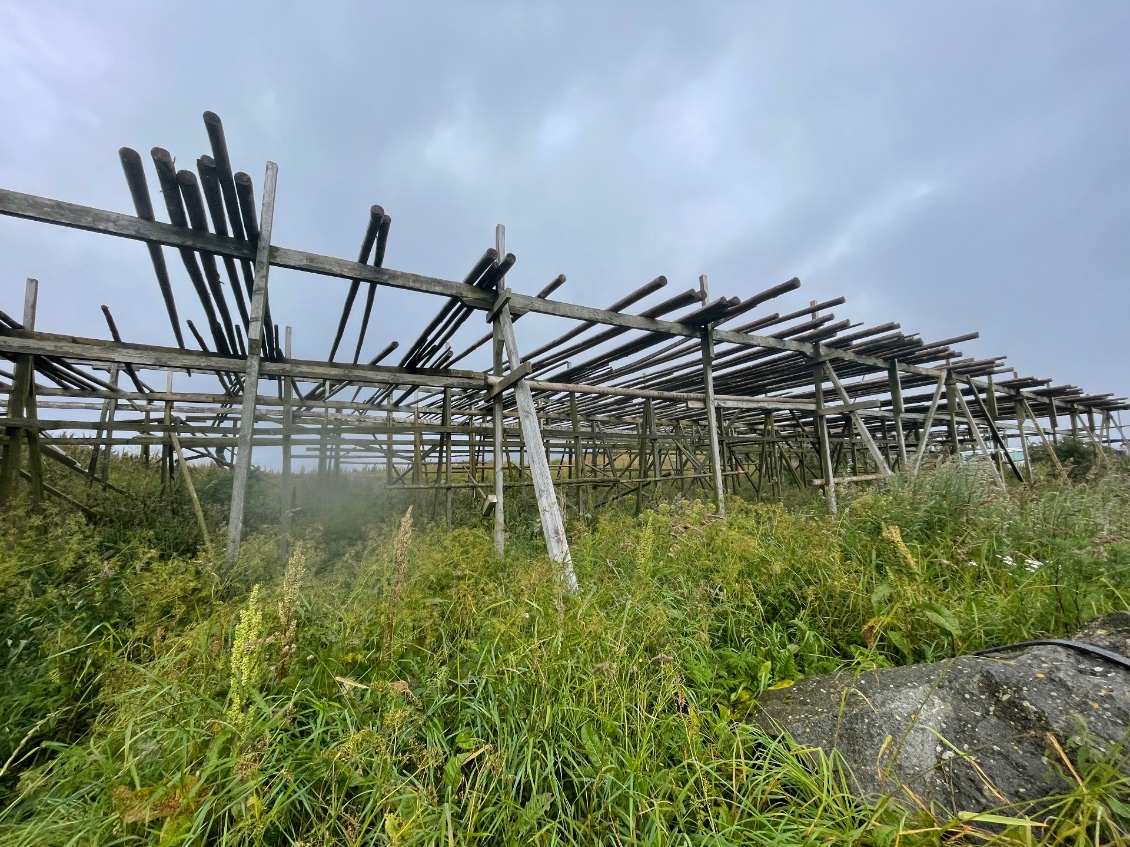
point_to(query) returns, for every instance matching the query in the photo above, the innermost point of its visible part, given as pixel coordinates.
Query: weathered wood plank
(251, 374)
(553, 525)
(707, 343)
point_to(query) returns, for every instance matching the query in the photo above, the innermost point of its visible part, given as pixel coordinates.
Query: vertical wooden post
(764, 471)
(578, 454)
(251, 374)
(166, 443)
(111, 411)
(324, 436)
(1096, 436)
(552, 522)
(338, 446)
(989, 406)
(1023, 440)
(726, 451)
(472, 449)
(497, 417)
(821, 423)
(102, 434)
(447, 452)
(31, 407)
(991, 398)
(388, 449)
(653, 443)
(287, 435)
(712, 416)
(417, 453)
(13, 444)
(642, 466)
(21, 404)
(951, 411)
(145, 446)
(886, 439)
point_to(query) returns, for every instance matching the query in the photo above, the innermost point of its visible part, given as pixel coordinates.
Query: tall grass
(395, 684)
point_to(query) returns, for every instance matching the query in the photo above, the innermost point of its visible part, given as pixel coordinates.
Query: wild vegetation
(393, 683)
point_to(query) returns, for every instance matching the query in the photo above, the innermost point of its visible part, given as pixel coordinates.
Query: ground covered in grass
(393, 683)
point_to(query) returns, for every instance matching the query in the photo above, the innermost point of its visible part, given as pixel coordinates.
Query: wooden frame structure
(681, 394)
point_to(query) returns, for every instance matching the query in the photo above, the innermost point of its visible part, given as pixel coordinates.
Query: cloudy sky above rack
(951, 166)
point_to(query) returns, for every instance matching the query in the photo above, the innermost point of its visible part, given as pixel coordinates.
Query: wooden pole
(447, 453)
(578, 454)
(976, 433)
(864, 433)
(389, 470)
(497, 417)
(712, 417)
(924, 439)
(286, 482)
(895, 379)
(552, 522)
(145, 447)
(990, 397)
(1048, 445)
(18, 407)
(251, 373)
(472, 450)
(111, 411)
(820, 421)
(104, 434)
(653, 439)
(323, 441)
(951, 410)
(187, 475)
(31, 411)
(417, 446)
(166, 445)
(1023, 441)
(641, 425)
(994, 431)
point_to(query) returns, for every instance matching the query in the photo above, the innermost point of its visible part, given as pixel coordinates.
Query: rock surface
(970, 734)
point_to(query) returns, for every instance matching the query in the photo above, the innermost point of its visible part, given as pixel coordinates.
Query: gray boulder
(970, 734)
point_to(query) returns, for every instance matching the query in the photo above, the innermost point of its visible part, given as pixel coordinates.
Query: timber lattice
(681, 393)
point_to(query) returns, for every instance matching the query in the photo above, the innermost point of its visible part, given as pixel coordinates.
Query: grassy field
(395, 684)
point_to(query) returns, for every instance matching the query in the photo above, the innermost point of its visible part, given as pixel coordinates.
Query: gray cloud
(951, 167)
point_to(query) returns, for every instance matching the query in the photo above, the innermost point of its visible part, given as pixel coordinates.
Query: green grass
(398, 685)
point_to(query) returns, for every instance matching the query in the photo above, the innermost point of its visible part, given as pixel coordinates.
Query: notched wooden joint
(521, 372)
(503, 299)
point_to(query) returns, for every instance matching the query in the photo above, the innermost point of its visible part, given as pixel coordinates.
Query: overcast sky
(950, 166)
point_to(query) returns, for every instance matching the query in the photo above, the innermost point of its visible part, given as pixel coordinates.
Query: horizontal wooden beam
(96, 350)
(766, 403)
(31, 207)
(867, 477)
